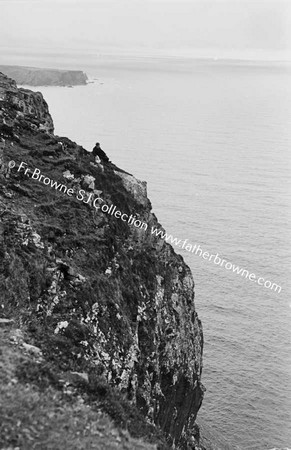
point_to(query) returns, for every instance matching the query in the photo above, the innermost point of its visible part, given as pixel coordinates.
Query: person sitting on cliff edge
(97, 151)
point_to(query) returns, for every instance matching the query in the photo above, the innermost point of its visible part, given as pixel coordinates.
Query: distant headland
(35, 76)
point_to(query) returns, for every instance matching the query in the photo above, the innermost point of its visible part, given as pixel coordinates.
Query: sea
(212, 138)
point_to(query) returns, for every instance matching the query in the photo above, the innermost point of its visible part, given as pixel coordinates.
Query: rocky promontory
(101, 345)
(34, 76)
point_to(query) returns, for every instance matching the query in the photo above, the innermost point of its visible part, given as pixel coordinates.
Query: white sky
(203, 27)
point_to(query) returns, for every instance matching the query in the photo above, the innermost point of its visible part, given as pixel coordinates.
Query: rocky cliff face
(34, 76)
(101, 297)
(22, 109)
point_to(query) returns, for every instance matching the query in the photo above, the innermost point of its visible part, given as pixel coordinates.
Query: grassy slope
(49, 418)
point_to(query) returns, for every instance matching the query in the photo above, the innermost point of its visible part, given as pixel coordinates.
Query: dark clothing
(97, 151)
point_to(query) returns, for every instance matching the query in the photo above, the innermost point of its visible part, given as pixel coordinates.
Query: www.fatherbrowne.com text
(216, 259)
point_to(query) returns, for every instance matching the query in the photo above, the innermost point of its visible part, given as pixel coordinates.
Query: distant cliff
(33, 76)
(98, 314)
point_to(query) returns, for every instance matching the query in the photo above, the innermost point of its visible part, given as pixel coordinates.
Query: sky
(208, 28)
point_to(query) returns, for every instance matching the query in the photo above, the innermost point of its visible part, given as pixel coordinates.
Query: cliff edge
(99, 312)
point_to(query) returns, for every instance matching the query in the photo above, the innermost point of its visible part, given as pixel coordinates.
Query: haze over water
(212, 140)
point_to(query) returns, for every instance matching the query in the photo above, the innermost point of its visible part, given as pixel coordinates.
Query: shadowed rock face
(92, 290)
(34, 76)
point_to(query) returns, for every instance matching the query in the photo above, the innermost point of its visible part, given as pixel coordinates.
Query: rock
(61, 326)
(2, 147)
(32, 349)
(89, 182)
(80, 376)
(6, 322)
(68, 175)
(36, 238)
(136, 187)
(16, 336)
(77, 280)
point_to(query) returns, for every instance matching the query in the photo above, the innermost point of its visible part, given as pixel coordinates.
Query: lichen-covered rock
(136, 187)
(95, 292)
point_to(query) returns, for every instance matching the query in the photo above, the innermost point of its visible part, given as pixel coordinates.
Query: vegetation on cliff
(99, 315)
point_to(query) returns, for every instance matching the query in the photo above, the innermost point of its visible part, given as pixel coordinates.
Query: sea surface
(213, 142)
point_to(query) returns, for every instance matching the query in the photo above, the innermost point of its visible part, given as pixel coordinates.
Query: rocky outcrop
(34, 76)
(22, 108)
(98, 295)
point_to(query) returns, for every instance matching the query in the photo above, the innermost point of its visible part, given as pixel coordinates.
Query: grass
(38, 415)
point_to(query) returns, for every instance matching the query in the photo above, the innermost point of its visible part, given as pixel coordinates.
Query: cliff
(34, 76)
(98, 313)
